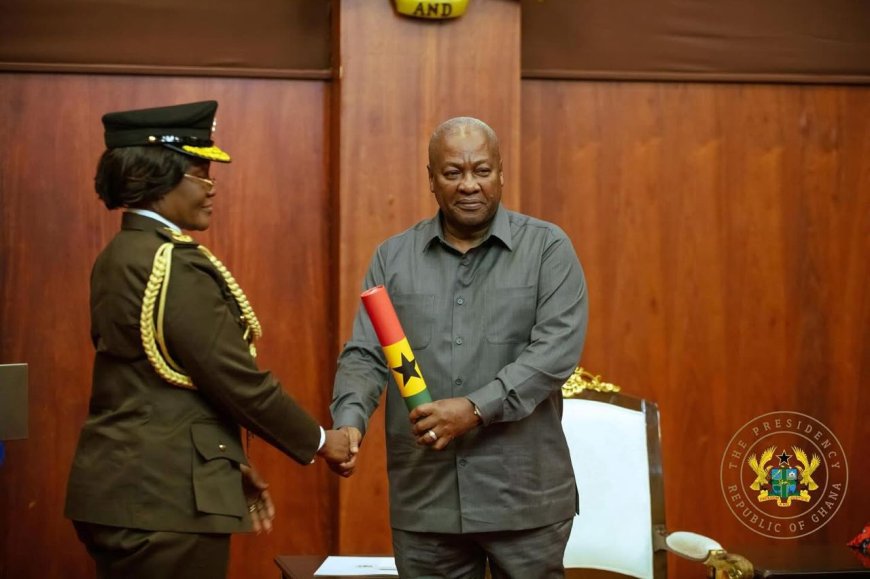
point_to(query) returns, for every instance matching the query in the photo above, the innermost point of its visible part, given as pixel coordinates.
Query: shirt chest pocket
(416, 313)
(510, 314)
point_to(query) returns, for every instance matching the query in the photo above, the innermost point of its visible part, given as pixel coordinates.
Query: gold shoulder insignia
(180, 237)
(176, 237)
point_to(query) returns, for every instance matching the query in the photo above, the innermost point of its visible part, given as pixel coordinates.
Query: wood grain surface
(724, 234)
(723, 229)
(272, 230)
(400, 79)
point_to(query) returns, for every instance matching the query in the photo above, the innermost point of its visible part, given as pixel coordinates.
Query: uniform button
(460, 301)
(458, 381)
(462, 462)
(222, 447)
(458, 341)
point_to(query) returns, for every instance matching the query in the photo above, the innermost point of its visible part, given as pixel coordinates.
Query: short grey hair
(458, 124)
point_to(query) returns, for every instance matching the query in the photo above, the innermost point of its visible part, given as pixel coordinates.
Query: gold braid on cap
(151, 326)
(212, 153)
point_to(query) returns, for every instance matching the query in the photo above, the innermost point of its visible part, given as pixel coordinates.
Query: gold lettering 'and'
(432, 10)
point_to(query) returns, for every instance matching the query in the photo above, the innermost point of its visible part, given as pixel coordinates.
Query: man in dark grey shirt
(493, 304)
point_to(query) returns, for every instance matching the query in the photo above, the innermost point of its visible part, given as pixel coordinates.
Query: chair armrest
(705, 550)
(691, 545)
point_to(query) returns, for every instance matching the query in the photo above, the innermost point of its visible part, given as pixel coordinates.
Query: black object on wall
(13, 401)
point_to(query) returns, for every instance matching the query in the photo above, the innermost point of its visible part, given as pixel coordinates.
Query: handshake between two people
(434, 424)
(340, 450)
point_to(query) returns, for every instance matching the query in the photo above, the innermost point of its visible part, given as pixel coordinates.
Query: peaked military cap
(184, 128)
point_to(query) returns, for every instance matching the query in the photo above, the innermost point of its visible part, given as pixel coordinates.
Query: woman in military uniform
(160, 478)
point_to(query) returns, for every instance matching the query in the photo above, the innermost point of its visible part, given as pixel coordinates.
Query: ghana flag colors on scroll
(400, 357)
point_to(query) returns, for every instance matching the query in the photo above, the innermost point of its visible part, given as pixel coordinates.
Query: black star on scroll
(783, 458)
(408, 370)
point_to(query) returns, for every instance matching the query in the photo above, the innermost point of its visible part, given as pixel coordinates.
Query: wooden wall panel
(400, 79)
(724, 234)
(258, 38)
(722, 229)
(271, 228)
(798, 41)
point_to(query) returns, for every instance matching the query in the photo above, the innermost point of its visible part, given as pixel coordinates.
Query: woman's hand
(348, 466)
(259, 500)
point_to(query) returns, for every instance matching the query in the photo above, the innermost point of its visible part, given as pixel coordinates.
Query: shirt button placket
(460, 321)
(466, 487)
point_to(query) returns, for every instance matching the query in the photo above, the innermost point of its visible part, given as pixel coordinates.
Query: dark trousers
(136, 554)
(527, 554)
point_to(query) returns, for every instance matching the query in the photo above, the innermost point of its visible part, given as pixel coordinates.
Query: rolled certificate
(400, 357)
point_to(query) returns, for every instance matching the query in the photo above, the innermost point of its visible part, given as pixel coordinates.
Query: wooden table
(805, 562)
(298, 566)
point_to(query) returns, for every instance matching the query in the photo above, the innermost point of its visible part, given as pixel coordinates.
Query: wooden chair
(615, 446)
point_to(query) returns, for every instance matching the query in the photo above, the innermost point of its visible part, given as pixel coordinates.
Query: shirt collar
(155, 216)
(500, 229)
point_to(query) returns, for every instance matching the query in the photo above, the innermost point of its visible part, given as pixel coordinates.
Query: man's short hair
(457, 124)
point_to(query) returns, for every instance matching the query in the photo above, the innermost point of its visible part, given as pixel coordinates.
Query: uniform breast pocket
(510, 314)
(416, 313)
(217, 479)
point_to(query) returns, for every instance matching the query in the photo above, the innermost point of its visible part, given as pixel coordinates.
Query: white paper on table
(359, 566)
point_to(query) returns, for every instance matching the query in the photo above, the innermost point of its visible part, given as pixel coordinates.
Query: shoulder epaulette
(176, 237)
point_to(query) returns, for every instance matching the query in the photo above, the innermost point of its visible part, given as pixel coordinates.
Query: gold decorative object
(439, 10)
(726, 565)
(582, 380)
(212, 153)
(253, 329)
(151, 326)
(151, 332)
(809, 466)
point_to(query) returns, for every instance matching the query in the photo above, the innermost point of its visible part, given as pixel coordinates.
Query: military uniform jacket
(156, 456)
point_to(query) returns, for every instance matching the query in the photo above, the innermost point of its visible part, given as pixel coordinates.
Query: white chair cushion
(613, 531)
